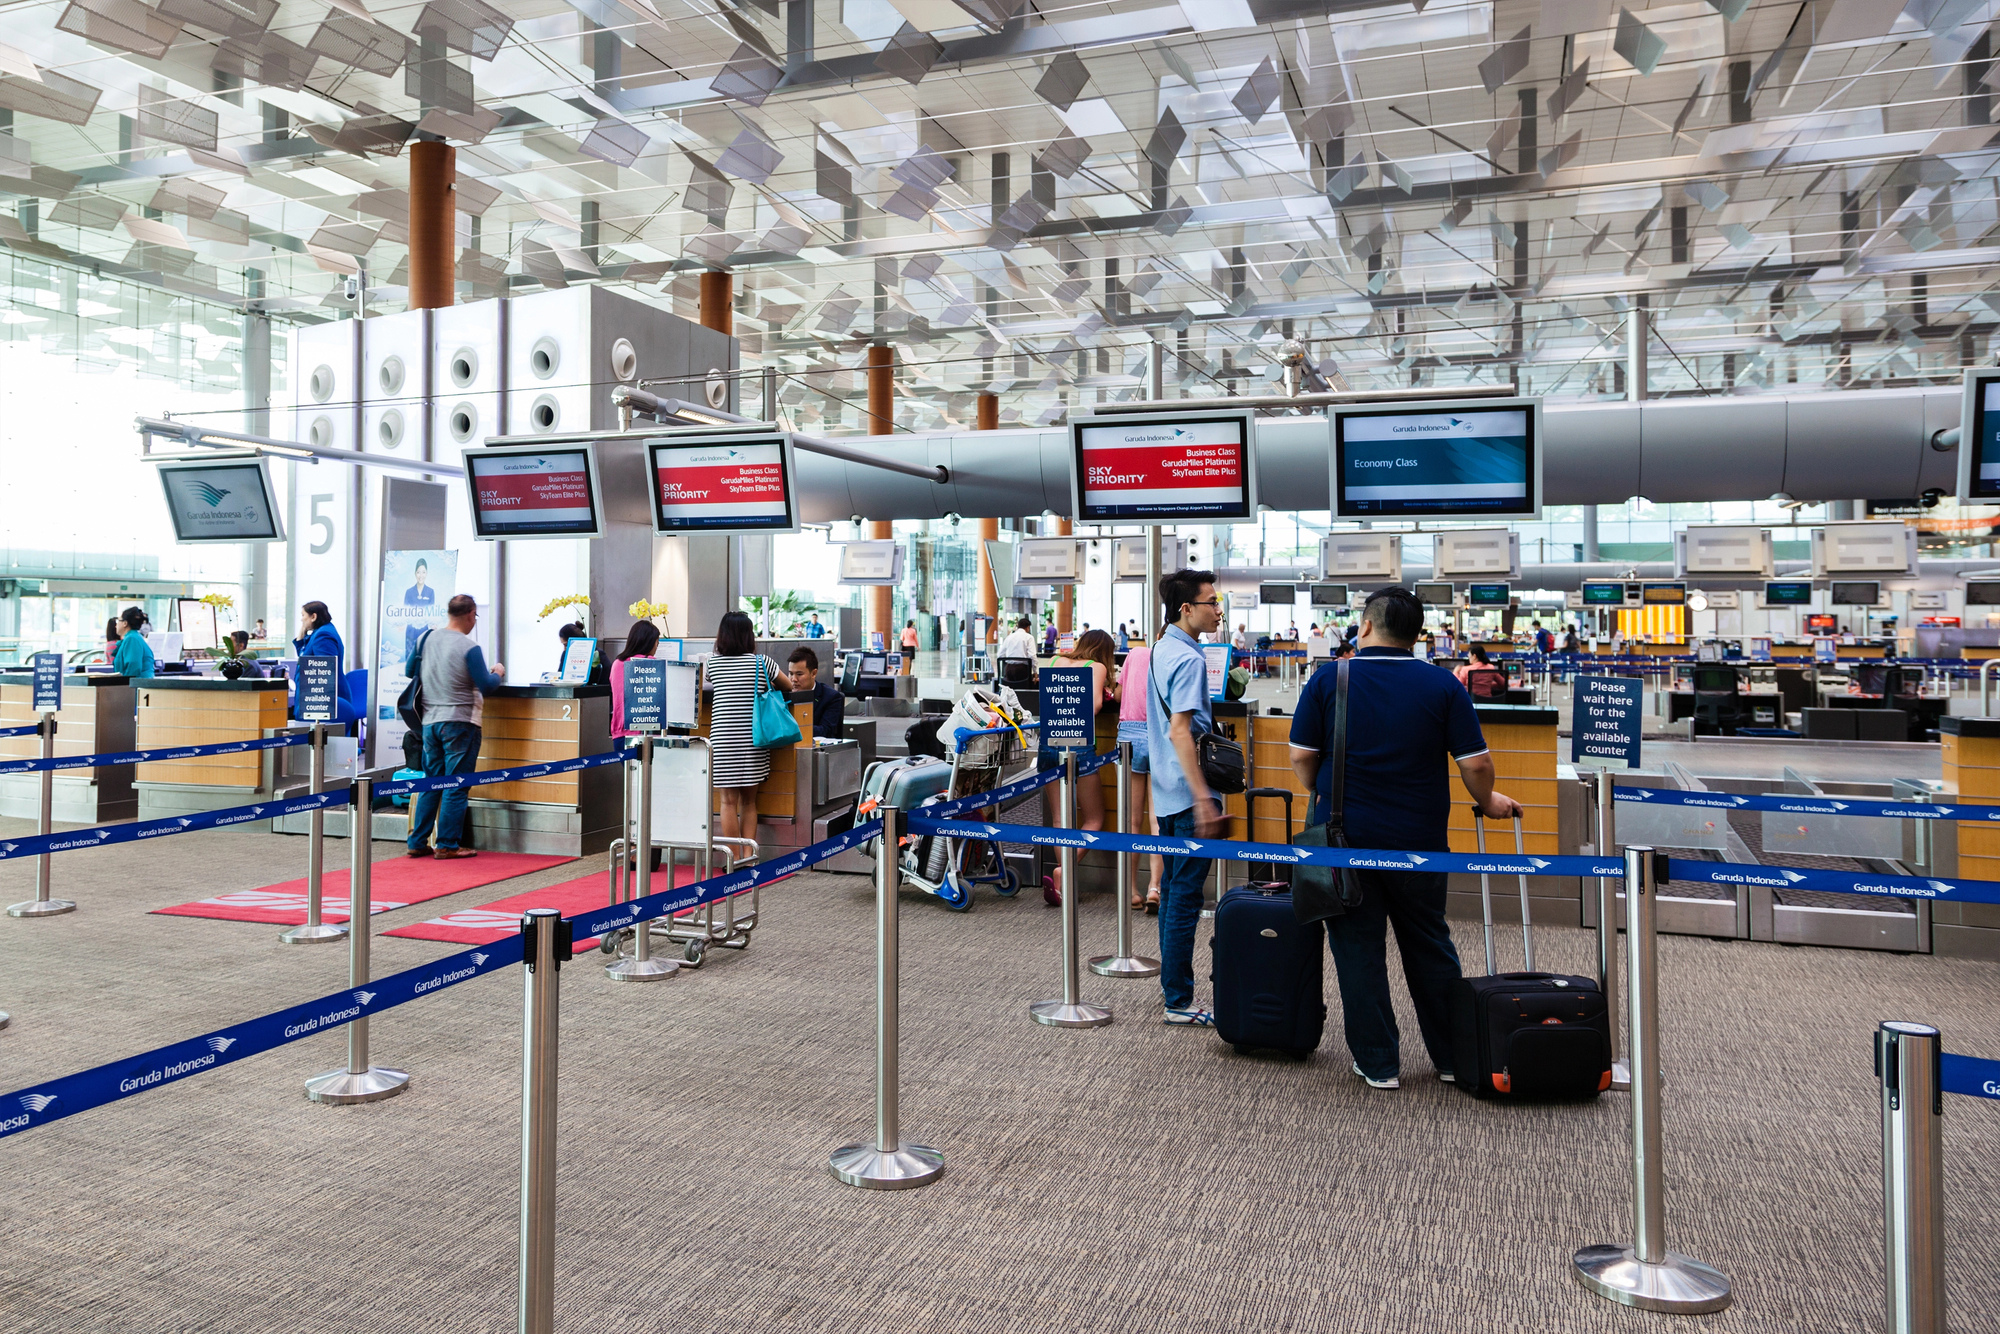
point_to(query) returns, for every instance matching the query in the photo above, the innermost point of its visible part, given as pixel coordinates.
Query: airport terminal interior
(589, 729)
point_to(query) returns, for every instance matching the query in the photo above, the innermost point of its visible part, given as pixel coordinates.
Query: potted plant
(231, 666)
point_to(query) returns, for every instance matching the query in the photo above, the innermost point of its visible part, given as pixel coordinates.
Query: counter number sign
(645, 694)
(317, 689)
(1609, 710)
(48, 682)
(1067, 720)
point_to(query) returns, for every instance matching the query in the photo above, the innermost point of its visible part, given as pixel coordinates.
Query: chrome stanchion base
(1061, 1014)
(868, 1167)
(1676, 1283)
(1621, 1076)
(41, 908)
(641, 970)
(1114, 965)
(5, 1019)
(372, 1085)
(315, 935)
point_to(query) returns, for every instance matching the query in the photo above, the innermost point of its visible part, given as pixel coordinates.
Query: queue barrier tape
(1875, 808)
(52, 1100)
(153, 756)
(1970, 1075)
(33, 729)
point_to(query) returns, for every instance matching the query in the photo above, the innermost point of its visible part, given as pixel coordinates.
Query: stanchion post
(1607, 924)
(887, 1163)
(642, 966)
(1646, 1274)
(316, 931)
(360, 1081)
(42, 905)
(1125, 963)
(1070, 1011)
(1908, 1058)
(545, 944)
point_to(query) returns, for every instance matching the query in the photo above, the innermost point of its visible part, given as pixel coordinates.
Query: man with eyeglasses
(1177, 713)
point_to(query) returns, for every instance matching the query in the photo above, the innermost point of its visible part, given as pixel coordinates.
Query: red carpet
(497, 920)
(396, 884)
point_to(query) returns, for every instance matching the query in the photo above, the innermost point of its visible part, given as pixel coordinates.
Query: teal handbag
(771, 721)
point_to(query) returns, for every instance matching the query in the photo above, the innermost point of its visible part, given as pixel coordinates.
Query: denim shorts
(1135, 733)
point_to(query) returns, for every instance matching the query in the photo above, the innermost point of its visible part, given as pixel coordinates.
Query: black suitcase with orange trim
(1528, 1036)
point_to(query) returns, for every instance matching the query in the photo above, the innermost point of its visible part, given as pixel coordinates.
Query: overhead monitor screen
(722, 484)
(1488, 595)
(1664, 595)
(1597, 593)
(1979, 428)
(1329, 595)
(1788, 593)
(1163, 467)
(529, 492)
(1439, 460)
(1983, 594)
(1434, 595)
(221, 502)
(1861, 593)
(1276, 595)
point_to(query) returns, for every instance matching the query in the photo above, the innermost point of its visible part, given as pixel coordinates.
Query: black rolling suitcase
(1529, 1035)
(1267, 972)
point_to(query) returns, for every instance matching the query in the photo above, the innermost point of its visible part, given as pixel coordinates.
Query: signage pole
(1607, 924)
(42, 905)
(642, 966)
(1070, 1011)
(545, 946)
(1124, 963)
(315, 931)
(1906, 1062)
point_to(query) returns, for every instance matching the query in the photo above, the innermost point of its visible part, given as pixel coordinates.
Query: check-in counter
(785, 800)
(1971, 773)
(1522, 742)
(176, 711)
(570, 814)
(96, 719)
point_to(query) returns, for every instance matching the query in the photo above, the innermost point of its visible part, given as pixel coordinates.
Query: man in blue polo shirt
(1177, 713)
(1404, 717)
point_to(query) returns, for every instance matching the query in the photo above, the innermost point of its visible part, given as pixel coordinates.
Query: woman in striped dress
(738, 767)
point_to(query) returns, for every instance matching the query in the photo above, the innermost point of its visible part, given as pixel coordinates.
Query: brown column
(989, 596)
(433, 240)
(1066, 607)
(988, 418)
(882, 601)
(881, 418)
(716, 311)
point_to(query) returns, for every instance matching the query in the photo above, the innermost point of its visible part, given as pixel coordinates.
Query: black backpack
(410, 704)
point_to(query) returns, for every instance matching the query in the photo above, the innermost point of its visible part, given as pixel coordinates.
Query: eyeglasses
(1212, 602)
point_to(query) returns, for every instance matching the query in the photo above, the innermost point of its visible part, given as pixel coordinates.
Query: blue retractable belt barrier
(33, 729)
(152, 756)
(1735, 801)
(1972, 1076)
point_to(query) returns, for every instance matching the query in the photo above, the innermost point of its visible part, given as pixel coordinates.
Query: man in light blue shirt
(1177, 712)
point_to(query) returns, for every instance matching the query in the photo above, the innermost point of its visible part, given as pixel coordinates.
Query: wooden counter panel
(567, 731)
(245, 770)
(555, 790)
(506, 752)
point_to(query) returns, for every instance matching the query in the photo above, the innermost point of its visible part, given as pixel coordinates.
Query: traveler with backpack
(448, 672)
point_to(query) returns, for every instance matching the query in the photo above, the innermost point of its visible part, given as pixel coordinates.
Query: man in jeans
(1404, 718)
(1177, 712)
(455, 681)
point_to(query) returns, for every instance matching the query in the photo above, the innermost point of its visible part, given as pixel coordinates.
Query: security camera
(854, 519)
(350, 288)
(953, 517)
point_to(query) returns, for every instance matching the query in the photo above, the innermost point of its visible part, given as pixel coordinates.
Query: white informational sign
(683, 697)
(198, 628)
(1162, 467)
(578, 656)
(1218, 657)
(724, 484)
(1048, 560)
(221, 502)
(871, 563)
(415, 587)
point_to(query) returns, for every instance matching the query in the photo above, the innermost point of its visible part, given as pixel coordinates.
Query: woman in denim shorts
(1132, 697)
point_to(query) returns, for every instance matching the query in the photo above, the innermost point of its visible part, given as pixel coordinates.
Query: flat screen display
(1979, 433)
(1983, 594)
(1277, 595)
(1434, 595)
(722, 484)
(1599, 594)
(198, 625)
(1439, 460)
(1822, 624)
(1664, 595)
(1329, 595)
(1163, 467)
(1859, 593)
(1788, 593)
(1488, 595)
(530, 492)
(221, 502)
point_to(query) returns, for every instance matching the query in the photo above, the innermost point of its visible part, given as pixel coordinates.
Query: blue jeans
(1414, 902)
(1180, 913)
(449, 748)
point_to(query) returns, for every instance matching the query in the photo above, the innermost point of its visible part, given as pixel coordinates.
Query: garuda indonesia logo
(210, 493)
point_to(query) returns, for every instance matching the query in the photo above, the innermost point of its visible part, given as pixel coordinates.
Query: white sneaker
(1190, 1018)
(1390, 1083)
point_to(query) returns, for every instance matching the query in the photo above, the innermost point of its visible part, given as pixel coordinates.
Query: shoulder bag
(1220, 758)
(771, 721)
(410, 704)
(1320, 892)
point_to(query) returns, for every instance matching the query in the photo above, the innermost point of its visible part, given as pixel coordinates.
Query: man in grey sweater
(453, 671)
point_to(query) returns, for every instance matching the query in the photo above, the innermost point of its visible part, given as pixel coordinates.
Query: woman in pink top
(1132, 697)
(641, 641)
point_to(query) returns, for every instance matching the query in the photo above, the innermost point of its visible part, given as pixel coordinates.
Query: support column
(1066, 604)
(989, 596)
(1638, 333)
(716, 310)
(882, 600)
(987, 412)
(256, 578)
(433, 169)
(1590, 534)
(881, 389)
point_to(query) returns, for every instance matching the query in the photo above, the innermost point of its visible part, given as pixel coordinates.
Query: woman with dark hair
(318, 639)
(641, 641)
(738, 673)
(134, 658)
(111, 639)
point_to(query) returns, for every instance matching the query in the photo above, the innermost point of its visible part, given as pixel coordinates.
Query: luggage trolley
(949, 867)
(681, 825)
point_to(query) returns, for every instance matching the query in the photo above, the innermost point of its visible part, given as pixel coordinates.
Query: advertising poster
(415, 587)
